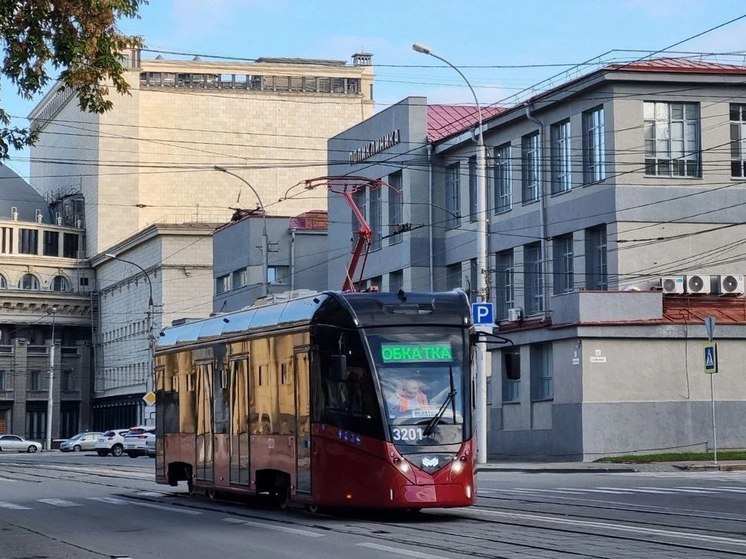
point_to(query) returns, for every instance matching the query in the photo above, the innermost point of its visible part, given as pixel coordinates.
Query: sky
(503, 48)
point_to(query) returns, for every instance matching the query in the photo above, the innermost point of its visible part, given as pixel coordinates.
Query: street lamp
(151, 340)
(482, 259)
(265, 239)
(50, 396)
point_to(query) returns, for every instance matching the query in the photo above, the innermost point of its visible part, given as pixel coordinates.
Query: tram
(337, 399)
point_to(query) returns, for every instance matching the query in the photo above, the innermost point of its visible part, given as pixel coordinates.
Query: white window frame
(562, 246)
(530, 167)
(594, 146)
(561, 160)
(453, 195)
(503, 178)
(738, 140)
(533, 278)
(672, 146)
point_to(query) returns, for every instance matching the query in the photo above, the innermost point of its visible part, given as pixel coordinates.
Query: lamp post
(149, 384)
(50, 395)
(265, 239)
(482, 259)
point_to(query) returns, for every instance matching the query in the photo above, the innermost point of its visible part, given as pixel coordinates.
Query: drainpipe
(430, 210)
(542, 213)
(292, 259)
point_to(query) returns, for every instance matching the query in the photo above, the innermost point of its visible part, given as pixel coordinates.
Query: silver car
(18, 444)
(81, 441)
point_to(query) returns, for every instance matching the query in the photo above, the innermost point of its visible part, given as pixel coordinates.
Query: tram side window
(348, 397)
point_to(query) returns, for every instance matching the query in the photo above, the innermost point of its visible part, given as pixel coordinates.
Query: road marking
(609, 491)
(12, 506)
(683, 490)
(161, 507)
(8, 480)
(398, 551)
(296, 531)
(109, 500)
(619, 527)
(149, 494)
(635, 490)
(59, 502)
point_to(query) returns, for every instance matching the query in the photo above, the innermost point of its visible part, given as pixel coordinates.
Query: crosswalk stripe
(109, 500)
(12, 506)
(59, 502)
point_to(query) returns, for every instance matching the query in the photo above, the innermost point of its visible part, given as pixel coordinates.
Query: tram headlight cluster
(403, 465)
(459, 463)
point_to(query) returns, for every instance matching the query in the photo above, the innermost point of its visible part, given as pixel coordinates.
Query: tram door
(303, 422)
(221, 416)
(203, 372)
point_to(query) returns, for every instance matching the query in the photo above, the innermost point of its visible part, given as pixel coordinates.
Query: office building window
(51, 243)
(396, 207)
(3, 282)
(60, 283)
(561, 159)
(503, 176)
(70, 245)
(530, 167)
(453, 196)
(473, 189)
(375, 218)
(595, 258)
(27, 241)
(671, 139)
(737, 140)
(471, 289)
(533, 278)
(223, 284)
(542, 385)
(2, 381)
(278, 275)
(505, 297)
(594, 146)
(511, 375)
(34, 380)
(562, 248)
(29, 281)
(453, 276)
(239, 278)
(396, 281)
(67, 383)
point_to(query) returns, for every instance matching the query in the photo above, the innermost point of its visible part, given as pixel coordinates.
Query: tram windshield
(424, 388)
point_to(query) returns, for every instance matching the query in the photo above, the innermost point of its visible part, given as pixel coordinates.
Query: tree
(78, 38)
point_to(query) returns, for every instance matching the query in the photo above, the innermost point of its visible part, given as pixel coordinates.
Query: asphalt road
(82, 506)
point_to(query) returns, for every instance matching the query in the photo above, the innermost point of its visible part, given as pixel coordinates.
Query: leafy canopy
(77, 39)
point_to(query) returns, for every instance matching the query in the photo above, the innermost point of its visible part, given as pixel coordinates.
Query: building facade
(45, 319)
(610, 198)
(296, 259)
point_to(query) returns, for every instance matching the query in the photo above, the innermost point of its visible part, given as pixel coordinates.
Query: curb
(562, 470)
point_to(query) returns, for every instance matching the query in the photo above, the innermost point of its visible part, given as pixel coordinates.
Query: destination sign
(416, 353)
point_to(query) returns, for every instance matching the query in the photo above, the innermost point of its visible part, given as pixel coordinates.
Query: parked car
(18, 444)
(140, 441)
(111, 442)
(81, 441)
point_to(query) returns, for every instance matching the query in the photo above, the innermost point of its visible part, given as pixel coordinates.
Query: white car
(18, 444)
(140, 441)
(111, 442)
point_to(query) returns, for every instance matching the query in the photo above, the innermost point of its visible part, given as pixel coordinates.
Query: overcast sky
(502, 47)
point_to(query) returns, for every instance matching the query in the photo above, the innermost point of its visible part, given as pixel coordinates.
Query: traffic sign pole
(711, 367)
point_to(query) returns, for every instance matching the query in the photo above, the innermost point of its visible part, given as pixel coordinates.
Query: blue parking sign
(482, 313)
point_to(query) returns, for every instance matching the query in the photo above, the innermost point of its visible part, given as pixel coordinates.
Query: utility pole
(50, 396)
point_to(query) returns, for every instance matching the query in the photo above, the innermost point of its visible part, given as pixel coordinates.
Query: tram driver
(410, 396)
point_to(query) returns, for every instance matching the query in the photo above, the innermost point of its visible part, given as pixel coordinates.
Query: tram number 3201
(407, 433)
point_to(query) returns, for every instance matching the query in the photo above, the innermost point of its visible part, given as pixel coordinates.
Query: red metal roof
(679, 65)
(447, 120)
(693, 310)
(312, 219)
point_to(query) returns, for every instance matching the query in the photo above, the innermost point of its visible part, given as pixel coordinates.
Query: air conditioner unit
(699, 284)
(672, 284)
(731, 285)
(515, 315)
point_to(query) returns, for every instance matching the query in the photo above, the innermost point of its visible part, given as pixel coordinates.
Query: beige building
(151, 159)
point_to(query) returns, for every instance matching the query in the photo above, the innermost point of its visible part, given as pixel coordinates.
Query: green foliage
(674, 457)
(76, 38)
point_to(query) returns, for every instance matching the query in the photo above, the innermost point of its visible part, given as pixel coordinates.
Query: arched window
(3, 282)
(29, 281)
(60, 283)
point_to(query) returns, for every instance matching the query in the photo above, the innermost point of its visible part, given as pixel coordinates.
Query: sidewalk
(605, 467)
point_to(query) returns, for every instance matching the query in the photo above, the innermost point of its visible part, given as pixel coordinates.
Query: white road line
(635, 490)
(59, 502)
(12, 506)
(398, 551)
(733, 489)
(609, 491)
(149, 494)
(8, 480)
(109, 500)
(161, 507)
(681, 490)
(620, 527)
(296, 531)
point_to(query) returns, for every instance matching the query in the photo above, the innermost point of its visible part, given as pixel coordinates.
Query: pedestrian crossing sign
(711, 358)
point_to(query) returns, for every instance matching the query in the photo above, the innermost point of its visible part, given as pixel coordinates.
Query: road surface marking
(398, 551)
(161, 507)
(109, 500)
(8, 480)
(296, 531)
(12, 506)
(59, 502)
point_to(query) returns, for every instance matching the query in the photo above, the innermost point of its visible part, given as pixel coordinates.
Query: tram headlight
(403, 465)
(458, 464)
